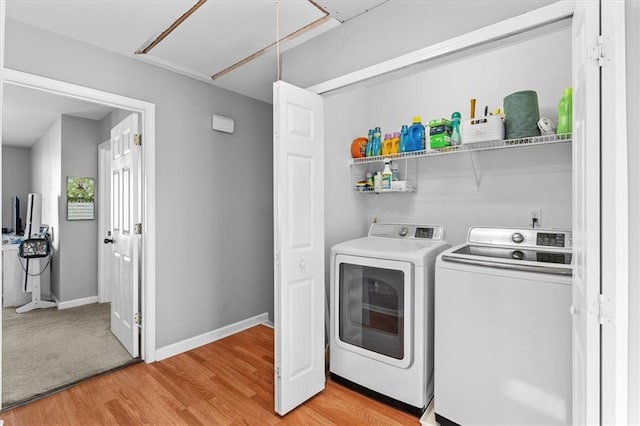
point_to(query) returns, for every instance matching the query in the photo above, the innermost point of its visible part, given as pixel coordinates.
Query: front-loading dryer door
(373, 308)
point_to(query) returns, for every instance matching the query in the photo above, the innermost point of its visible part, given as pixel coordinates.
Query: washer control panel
(522, 237)
(407, 231)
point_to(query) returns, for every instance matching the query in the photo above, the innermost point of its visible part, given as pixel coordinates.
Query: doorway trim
(147, 112)
(104, 197)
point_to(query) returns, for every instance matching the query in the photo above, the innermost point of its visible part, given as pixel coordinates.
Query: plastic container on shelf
(395, 172)
(377, 181)
(387, 176)
(387, 144)
(416, 135)
(439, 133)
(404, 138)
(359, 147)
(565, 112)
(369, 143)
(395, 143)
(377, 142)
(456, 138)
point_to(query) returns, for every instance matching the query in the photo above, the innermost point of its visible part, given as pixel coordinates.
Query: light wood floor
(226, 382)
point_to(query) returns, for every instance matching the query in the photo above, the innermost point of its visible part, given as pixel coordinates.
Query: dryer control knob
(517, 237)
(517, 255)
(403, 232)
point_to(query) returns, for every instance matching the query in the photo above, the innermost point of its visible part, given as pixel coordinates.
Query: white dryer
(503, 329)
(382, 313)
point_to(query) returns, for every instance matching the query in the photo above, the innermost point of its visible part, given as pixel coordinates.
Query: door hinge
(604, 310)
(137, 319)
(137, 228)
(278, 372)
(137, 139)
(595, 52)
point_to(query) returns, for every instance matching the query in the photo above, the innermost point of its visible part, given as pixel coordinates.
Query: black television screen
(16, 220)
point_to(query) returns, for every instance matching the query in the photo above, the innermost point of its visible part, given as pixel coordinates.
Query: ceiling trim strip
(260, 52)
(147, 47)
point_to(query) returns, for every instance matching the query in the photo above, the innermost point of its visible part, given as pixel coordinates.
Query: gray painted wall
(392, 29)
(214, 196)
(46, 166)
(633, 118)
(16, 180)
(78, 239)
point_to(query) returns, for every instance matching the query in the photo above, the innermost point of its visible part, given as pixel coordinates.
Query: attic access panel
(221, 33)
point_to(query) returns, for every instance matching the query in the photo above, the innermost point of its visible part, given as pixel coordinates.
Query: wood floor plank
(228, 382)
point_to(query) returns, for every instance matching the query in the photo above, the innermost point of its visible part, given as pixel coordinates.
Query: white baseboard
(209, 337)
(76, 302)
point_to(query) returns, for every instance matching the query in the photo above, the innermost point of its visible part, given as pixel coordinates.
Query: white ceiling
(214, 37)
(28, 113)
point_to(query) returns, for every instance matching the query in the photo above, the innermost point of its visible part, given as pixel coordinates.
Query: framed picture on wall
(81, 197)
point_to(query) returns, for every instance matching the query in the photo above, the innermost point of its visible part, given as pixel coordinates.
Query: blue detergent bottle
(404, 138)
(369, 150)
(377, 142)
(456, 138)
(416, 135)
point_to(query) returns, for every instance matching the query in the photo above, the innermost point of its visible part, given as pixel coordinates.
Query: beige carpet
(45, 349)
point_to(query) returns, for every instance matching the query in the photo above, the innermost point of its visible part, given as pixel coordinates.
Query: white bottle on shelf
(377, 182)
(386, 177)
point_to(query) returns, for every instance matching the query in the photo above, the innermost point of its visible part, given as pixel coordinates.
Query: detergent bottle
(395, 148)
(369, 143)
(404, 138)
(387, 176)
(565, 112)
(377, 142)
(456, 139)
(387, 144)
(416, 135)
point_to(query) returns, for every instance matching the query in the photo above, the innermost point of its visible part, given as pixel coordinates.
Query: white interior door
(125, 212)
(298, 175)
(586, 215)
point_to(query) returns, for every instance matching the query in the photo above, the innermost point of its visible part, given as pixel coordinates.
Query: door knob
(108, 240)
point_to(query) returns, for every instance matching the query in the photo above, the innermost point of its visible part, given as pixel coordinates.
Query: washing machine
(381, 301)
(503, 329)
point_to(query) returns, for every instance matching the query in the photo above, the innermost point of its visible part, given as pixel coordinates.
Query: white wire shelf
(407, 187)
(382, 191)
(469, 147)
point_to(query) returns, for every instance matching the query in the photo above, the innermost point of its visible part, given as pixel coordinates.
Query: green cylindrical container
(521, 115)
(565, 112)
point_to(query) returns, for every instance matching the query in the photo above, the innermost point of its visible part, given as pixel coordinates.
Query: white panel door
(125, 195)
(2, 20)
(298, 175)
(586, 215)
